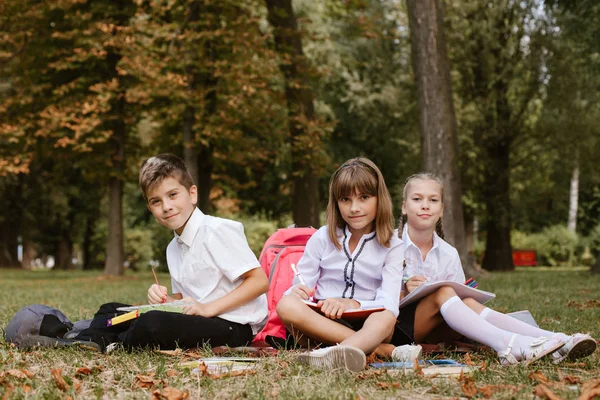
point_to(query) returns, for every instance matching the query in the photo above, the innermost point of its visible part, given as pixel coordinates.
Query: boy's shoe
(407, 353)
(334, 357)
(32, 341)
(577, 346)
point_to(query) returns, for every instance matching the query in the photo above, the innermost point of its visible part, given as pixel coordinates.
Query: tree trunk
(496, 192)
(299, 97)
(437, 117)
(29, 252)
(190, 153)
(8, 245)
(87, 241)
(573, 200)
(205, 169)
(115, 251)
(596, 267)
(64, 253)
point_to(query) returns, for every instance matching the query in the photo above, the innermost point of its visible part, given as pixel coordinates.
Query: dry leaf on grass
(59, 380)
(418, 369)
(538, 377)
(383, 385)
(544, 392)
(76, 384)
(467, 359)
(27, 389)
(170, 393)
(582, 306)
(176, 352)
(467, 385)
(171, 373)
(232, 374)
(147, 381)
(9, 390)
(590, 389)
(17, 373)
(569, 379)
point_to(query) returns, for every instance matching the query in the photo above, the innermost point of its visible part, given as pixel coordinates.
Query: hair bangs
(354, 180)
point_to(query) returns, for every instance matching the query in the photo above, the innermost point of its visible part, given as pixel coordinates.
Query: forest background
(264, 100)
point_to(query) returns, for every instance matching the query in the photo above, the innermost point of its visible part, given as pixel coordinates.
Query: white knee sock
(470, 324)
(511, 324)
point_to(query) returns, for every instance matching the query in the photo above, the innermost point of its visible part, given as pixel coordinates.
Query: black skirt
(404, 332)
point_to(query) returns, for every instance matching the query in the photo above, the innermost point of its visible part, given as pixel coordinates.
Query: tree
(306, 134)
(437, 117)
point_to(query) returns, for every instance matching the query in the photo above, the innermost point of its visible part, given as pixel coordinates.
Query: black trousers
(164, 330)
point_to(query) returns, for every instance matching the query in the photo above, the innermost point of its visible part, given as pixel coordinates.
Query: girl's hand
(195, 308)
(414, 282)
(334, 308)
(303, 291)
(157, 294)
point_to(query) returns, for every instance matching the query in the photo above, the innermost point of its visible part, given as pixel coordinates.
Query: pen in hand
(298, 274)
(158, 284)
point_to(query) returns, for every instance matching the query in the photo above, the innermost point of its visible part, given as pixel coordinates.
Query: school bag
(283, 248)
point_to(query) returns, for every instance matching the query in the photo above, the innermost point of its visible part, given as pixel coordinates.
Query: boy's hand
(195, 308)
(334, 308)
(414, 282)
(304, 292)
(157, 294)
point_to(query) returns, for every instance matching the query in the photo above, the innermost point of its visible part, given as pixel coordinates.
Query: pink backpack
(283, 248)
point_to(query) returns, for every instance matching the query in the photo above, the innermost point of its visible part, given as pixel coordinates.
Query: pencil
(157, 284)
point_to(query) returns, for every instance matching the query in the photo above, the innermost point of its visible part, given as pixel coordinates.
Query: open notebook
(463, 291)
(353, 313)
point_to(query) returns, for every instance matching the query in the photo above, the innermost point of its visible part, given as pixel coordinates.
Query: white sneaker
(407, 353)
(577, 346)
(334, 357)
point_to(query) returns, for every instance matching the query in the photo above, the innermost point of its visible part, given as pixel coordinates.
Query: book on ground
(352, 313)
(221, 365)
(463, 291)
(428, 367)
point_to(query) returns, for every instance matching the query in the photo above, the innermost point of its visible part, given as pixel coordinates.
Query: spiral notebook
(463, 291)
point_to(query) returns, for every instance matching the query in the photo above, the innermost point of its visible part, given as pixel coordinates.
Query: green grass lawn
(565, 300)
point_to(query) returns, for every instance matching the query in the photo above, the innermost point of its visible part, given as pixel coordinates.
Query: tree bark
(115, 251)
(299, 98)
(596, 266)
(437, 117)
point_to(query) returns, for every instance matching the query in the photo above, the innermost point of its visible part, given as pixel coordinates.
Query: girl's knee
(287, 307)
(443, 294)
(474, 304)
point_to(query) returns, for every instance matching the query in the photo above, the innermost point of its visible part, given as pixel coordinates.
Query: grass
(561, 300)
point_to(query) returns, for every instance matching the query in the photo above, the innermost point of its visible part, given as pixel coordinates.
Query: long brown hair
(423, 176)
(360, 175)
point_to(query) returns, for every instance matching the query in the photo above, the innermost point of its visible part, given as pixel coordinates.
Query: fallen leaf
(16, 373)
(27, 389)
(232, 374)
(28, 373)
(202, 369)
(418, 369)
(172, 372)
(544, 392)
(83, 371)
(483, 366)
(467, 359)
(467, 385)
(574, 365)
(283, 364)
(570, 379)
(590, 389)
(58, 379)
(176, 352)
(539, 377)
(9, 389)
(383, 385)
(396, 385)
(170, 393)
(275, 391)
(144, 381)
(76, 384)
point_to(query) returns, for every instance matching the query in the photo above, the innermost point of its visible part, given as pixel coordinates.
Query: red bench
(524, 258)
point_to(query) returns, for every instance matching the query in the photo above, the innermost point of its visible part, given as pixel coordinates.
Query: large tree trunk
(115, 251)
(8, 245)
(496, 192)
(437, 117)
(596, 267)
(299, 97)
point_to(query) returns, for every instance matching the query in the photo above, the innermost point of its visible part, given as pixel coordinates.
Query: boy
(212, 268)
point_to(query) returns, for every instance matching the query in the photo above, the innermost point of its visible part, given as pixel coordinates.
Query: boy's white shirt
(206, 263)
(377, 273)
(442, 262)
